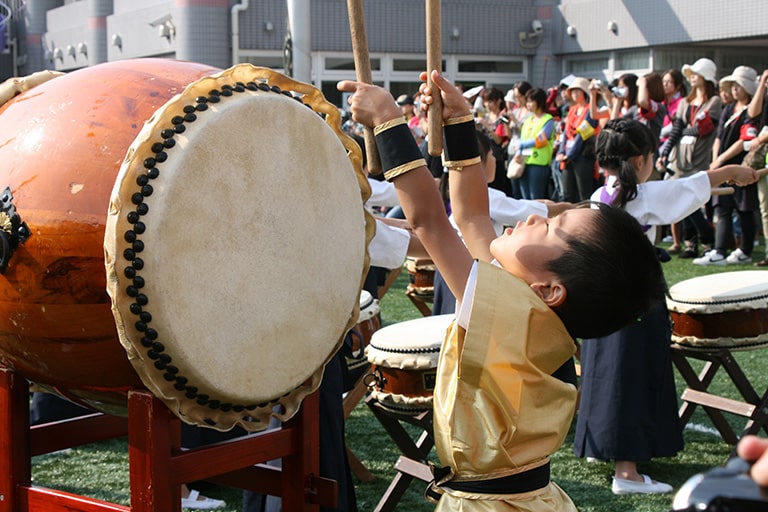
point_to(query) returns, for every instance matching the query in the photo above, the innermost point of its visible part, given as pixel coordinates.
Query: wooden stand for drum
(412, 464)
(158, 465)
(754, 407)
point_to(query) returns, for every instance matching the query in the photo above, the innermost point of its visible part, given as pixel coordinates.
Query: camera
(726, 489)
(620, 92)
(504, 119)
(596, 84)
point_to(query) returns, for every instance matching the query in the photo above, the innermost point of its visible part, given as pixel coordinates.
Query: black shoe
(762, 263)
(688, 253)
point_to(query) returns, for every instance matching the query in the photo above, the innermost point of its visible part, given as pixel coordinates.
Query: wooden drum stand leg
(412, 464)
(158, 465)
(754, 407)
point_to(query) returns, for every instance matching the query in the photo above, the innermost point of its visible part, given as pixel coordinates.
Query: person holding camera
(576, 148)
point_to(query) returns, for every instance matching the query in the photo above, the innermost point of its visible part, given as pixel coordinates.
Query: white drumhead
(413, 344)
(257, 193)
(721, 292)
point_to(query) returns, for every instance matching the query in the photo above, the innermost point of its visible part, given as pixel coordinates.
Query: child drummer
(498, 412)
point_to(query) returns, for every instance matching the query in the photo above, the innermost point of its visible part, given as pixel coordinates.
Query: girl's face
(669, 85)
(531, 105)
(519, 97)
(739, 93)
(696, 80)
(577, 96)
(527, 249)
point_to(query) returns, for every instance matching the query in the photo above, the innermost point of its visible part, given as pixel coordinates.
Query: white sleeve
(506, 211)
(669, 201)
(389, 246)
(464, 307)
(383, 193)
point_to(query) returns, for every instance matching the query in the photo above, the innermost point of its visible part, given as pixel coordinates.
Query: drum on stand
(713, 316)
(360, 336)
(421, 277)
(403, 359)
(196, 189)
(723, 310)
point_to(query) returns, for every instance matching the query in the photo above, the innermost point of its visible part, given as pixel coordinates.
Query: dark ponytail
(617, 142)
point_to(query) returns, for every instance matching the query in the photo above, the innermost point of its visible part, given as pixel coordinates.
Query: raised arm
(403, 166)
(467, 185)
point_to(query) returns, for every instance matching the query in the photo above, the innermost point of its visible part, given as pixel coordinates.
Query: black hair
(538, 96)
(678, 80)
(493, 94)
(618, 141)
(612, 275)
(630, 82)
(522, 87)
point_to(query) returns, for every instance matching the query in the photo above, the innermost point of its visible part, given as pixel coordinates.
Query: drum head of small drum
(236, 247)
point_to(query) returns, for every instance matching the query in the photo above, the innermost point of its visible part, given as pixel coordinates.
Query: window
(491, 66)
(635, 59)
(348, 64)
(585, 66)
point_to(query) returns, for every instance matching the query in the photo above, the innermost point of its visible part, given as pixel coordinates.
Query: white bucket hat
(510, 97)
(744, 76)
(704, 67)
(580, 83)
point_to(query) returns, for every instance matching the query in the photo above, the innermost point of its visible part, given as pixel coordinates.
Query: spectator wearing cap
(688, 149)
(576, 149)
(735, 133)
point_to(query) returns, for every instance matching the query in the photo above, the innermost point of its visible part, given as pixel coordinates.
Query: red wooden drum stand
(712, 317)
(158, 465)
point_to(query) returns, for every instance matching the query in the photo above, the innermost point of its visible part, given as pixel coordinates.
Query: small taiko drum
(403, 359)
(368, 322)
(166, 206)
(421, 276)
(723, 310)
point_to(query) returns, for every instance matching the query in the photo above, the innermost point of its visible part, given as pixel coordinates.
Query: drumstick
(363, 73)
(434, 61)
(722, 191)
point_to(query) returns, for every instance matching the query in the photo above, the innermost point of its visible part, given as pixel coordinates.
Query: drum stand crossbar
(754, 407)
(412, 464)
(158, 464)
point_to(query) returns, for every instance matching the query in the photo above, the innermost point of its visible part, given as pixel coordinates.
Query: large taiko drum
(723, 310)
(196, 197)
(404, 359)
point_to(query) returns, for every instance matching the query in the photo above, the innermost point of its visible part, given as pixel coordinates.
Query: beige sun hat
(704, 67)
(579, 83)
(744, 76)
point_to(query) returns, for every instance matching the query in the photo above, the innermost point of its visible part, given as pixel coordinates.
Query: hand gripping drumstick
(725, 191)
(363, 73)
(434, 61)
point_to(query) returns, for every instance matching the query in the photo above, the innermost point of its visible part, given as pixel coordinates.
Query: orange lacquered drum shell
(61, 146)
(722, 310)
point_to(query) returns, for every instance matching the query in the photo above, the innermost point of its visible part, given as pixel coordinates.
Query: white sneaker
(647, 486)
(196, 502)
(667, 239)
(710, 258)
(738, 257)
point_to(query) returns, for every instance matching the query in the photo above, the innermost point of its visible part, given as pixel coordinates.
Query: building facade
(488, 42)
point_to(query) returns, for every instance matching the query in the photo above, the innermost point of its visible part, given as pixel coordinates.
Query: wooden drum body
(723, 310)
(403, 359)
(159, 181)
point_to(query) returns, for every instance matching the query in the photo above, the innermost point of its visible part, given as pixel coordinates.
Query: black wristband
(460, 146)
(397, 148)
